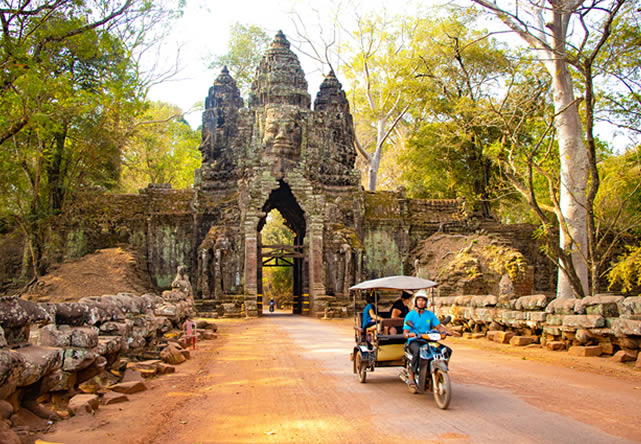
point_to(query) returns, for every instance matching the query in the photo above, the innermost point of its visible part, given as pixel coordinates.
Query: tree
(162, 149)
(70, 87)
(245, 49)
(548, 28)
(458, 72)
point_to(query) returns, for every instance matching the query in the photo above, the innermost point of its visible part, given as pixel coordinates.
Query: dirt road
(288, 379)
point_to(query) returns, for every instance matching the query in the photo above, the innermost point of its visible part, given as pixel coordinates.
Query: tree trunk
(574, 166)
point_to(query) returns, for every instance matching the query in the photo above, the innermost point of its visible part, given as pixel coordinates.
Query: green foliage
(246, 46)
(69, 89)
(162, 149)
(627, 270)
(277, 281)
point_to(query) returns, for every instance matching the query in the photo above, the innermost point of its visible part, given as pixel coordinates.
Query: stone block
(172, 355)
(84, 404)
(536, 316)
(590, 350)
(583, 321)
(561, 306)
(444, 301)
(607, 348)
(625, 356)
(165, 369)
(16, 312)
(57, 381)
(478, 335)
(113, 398)
(463, 301)
(483, 301)
(532, 302)
(631, 306)
(638, 363)
(74, 359)
(208, 335)
(626, 327)
(128, 387)
(552, 330)
(84, 337)
(482, 314)
(502, 337)
(554, 320)
(35, 363)
(555, 345)
(521, 341)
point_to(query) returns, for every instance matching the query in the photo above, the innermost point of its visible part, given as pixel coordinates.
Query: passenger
(400, 308)
(369, 312)
(418, 322)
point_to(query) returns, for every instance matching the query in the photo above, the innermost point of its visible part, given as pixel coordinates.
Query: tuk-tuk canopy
(395, 283)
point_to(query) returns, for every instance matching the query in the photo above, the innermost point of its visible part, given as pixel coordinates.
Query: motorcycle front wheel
(442, 389)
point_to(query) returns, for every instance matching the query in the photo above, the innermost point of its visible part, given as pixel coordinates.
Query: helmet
(420, 294)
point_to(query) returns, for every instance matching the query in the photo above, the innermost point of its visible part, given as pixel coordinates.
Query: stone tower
(277, 153)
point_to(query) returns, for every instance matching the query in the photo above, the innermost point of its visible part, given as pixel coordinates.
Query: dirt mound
(107, 271)
(468, 264)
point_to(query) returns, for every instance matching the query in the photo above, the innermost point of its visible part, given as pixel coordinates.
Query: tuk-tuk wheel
(361, 368)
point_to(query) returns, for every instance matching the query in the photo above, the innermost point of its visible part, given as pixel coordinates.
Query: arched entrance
(294, 255)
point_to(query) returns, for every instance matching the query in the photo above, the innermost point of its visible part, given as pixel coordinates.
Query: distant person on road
(271, 305)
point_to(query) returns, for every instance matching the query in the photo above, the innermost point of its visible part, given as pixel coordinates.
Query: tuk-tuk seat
(391, 339)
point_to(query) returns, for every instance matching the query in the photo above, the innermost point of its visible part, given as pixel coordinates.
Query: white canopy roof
(395, 283)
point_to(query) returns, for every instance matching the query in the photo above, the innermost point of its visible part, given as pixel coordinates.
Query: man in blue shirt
(417, 322)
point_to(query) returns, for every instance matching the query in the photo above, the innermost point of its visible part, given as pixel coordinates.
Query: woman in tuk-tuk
(369, 312)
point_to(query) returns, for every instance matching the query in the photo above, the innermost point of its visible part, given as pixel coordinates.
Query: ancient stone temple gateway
(275, 153)
(279, 153)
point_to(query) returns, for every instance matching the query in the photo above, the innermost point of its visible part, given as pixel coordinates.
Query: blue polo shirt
(423, 323)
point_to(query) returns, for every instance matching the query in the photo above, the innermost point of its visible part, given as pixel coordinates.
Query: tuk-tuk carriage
(375, 347)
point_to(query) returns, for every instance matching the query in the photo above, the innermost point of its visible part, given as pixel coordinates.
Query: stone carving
(283, 132)
(181, 281)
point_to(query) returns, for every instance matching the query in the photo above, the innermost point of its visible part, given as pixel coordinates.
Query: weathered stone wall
(158, 222)
(608, 322)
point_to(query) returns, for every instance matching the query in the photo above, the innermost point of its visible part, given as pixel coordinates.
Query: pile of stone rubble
(63, 359)
(593, 326)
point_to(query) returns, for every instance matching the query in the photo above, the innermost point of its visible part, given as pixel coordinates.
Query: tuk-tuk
(375, 347)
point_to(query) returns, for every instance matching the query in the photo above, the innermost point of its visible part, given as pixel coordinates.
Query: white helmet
(421, 294)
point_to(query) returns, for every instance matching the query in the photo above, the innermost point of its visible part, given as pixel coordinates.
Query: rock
(128, 387)
(98, 383)
(483, 301)
(626, 327)
(6, 410)
(477, 335)
(503, 337)
(631, 306)
(16, 312)
(7, 435)
(583, 336)
(521, 341)
(115, 329)
(51, 336)
(591, 350)
(84, 404)
(75, 359)
(604, 305)
(151, 364)
(165, 369)
(172, 355)
(205, 325)
(463, 301)
(3, 339)
(38, 362)
(624, 356)
(186, 354)
(113, 398)
(561, 306)
(607, 348)
(132, 376)
(555, 345)
(536, 316)
(84, 337)
(533, 302)
(58, 380)
(583, 321)
(208, 335)
(638, 363)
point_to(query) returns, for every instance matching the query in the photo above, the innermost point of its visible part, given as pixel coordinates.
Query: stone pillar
(316, 285)
(251, 256)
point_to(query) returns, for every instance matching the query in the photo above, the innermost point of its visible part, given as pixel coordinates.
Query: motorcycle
(271, 306)
(432, 372)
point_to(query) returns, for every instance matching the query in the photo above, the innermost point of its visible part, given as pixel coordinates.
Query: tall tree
(246, 46)
(161, 149)
(70, 87)
(569, 34)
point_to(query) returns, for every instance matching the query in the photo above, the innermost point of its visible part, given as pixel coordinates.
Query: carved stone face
(283, 133)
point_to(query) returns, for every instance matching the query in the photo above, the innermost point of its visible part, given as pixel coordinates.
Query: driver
(417, 322)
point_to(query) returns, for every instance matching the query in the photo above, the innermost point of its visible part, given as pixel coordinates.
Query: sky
(203, 31)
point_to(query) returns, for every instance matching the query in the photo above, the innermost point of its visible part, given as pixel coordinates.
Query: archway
(292, 255)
